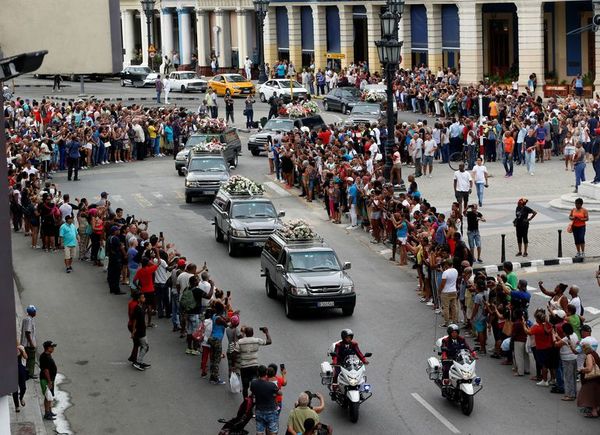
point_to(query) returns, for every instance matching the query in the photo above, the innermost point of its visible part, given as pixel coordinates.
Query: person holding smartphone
(249, 346)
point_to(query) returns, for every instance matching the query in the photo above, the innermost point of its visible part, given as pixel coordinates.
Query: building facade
(482, 38)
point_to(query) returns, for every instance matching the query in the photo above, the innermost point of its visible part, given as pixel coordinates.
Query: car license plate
(325, 304)
(259, 244)
(245, 91)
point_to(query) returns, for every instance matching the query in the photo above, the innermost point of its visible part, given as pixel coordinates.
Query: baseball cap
(31, 309)
(349, 179)
(114, 228)
(103, 194)
(48, 344)
(181, 262)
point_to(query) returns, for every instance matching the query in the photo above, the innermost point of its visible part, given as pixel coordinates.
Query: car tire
(182, 89)
(270, 287)
(138, 83)
(348, 311)
(180, 172)
(344, 110)
(218, 233)
(325, 106)
(122, 83)
(262, 97)
(188, 199)
(290, 310)
(231, 247)
(255, 152)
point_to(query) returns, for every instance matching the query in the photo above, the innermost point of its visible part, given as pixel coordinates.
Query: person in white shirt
(248, 68)
(449, 294)
(429, 149)
(575, 300)
(416, 151)
(66, 209)
(369, 162)
(463, 183)
(568, 358)
(166, 89)
(480, 175)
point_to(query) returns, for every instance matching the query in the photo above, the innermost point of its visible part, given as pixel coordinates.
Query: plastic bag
(235, 385)
(101, 254)
(49, 396)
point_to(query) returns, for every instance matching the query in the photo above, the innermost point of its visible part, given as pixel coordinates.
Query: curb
(35, 392)
(535, 263)
(92, 97)
(40, 86)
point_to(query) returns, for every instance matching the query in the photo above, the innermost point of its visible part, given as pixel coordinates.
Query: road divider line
(435, 413)
(592, 310)
(277, 189)
(141, 200)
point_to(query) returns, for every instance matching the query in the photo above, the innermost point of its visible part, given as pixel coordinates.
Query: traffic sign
(151, 49)
(335, 55)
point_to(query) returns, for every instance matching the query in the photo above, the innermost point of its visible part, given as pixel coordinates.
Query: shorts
(70, 252)
(479, 325)
(44, 385)
(427, 160)
(267, 420)
(402, 240)
(579, 235)
(193, 320)
(150, 300)
(461, 196)
(474, 239)
(569, 150)
(543, 355)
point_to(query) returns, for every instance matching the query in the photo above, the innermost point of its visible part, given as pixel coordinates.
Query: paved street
(108, 396)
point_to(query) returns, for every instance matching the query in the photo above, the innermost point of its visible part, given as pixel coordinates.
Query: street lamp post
(148, 7)
(261, 7)
(388, 50)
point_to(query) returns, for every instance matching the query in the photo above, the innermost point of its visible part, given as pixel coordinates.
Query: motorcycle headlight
(347, 289)
(298, 291)
(466, 374)
(353, 382)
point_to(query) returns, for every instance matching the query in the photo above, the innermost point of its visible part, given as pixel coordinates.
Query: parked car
(341, 99)
(186, 81)
(232, 150)
(231, 84)
(380, 89)
(308, 274)
(138, 76)
(281, 88)
(257, 141)
(244, 220)
(204, 174)
(364, 113)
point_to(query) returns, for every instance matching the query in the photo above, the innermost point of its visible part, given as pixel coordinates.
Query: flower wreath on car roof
(242, 185)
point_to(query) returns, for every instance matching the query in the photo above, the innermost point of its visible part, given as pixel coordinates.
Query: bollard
(560, 243)
(503, 249)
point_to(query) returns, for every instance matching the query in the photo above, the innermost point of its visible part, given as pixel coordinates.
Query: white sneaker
(352, 227)
(531, 173)
(437, 310)
(429, 303)
(542, 384)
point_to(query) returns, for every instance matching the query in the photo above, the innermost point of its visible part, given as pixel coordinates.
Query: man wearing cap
(70, 239)
(29, 340)
(48, 372)
(116, 253)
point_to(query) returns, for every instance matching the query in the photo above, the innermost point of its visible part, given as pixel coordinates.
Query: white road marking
(179, 194)
(277, 189)
(117, 198)
(141, 200)
(592, 310)
(435, 413)
(157, 195)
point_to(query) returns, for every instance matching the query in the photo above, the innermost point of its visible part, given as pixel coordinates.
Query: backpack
(187, 302)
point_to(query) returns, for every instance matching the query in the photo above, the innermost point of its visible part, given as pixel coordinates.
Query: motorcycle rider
(343, 349)
(452, 344)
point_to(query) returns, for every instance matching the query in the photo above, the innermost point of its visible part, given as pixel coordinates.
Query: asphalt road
(108, 396)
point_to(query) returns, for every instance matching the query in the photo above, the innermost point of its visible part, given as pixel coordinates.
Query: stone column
(346, 34)
(596, 11)
(434, 37)
(471, 50)
(320, 35)
(243, 36)
(531, 43)
(295, 32)
(270, 37)
(404, 36)
(185, 35)
(203, 36)
(224, 38)
(166, 31)
(374, 34)
(144, 28)
(127, 24)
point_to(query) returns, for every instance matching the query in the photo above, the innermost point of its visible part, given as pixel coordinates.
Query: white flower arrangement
(210, 147)
(211, 125)
(301, 110)
(238, 185)
(297, 229)
(373, 96)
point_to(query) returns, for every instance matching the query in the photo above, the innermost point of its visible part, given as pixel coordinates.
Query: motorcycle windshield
(352, 363)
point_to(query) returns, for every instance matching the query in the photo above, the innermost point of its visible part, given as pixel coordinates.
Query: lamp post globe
(261, 7)
(396, 7)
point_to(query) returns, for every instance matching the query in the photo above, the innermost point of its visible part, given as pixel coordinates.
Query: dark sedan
(138, 76)
(341, 99)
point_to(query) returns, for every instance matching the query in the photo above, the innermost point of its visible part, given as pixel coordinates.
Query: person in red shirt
(144, 279)
(542, 331)
(324, 135)
(280, 381)
(133, 303)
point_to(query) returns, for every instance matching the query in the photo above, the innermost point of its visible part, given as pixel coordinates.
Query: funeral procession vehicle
(205, 171)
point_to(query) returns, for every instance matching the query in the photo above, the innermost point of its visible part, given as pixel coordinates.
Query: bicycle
(467, 156)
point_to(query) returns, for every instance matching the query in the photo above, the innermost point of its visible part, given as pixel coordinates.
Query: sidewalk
(29, 420)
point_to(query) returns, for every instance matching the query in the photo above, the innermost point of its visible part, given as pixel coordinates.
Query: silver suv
(308, 274)
(204, 174)
(244, 220)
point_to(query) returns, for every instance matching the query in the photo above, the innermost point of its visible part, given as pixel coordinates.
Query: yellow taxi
(231, 84)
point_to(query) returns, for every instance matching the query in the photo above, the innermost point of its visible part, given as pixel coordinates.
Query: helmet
(452, 327)
(31, 309)
(347, 333)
